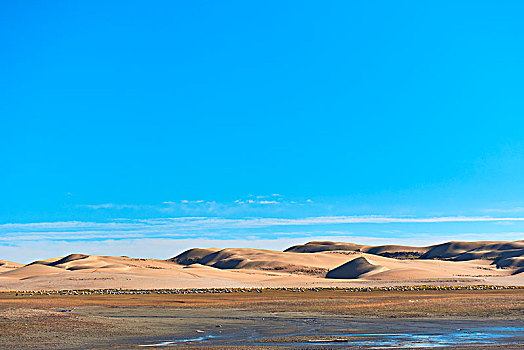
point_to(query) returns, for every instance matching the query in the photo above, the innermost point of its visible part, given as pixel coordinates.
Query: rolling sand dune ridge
(314, 264)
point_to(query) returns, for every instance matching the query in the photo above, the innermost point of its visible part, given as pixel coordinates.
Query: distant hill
(9, 264)
(503, 254)
(390, 251)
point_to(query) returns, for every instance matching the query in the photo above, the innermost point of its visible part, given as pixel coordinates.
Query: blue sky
(131, 113)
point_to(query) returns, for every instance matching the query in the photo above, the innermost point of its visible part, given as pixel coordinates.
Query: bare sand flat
(312, 264)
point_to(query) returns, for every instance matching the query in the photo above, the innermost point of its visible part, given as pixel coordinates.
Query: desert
(314, 264)
(319, 295)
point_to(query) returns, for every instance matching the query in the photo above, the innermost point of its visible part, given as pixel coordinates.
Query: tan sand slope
(514, 261)
(9, 264)
(355, 268)
(193, 256)
(519, 271)
(503, 254)
(397, 251)
(80, 271)
(472, 250)
(31, 271)
(392, 251)
(90, 263)
(324, 246)
(356, 265)
(395, 269)
(244, 267)
(260, 259)
(405, 274)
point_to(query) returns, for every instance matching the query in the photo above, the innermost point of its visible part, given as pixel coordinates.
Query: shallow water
(471, 337)
(487, 336)
(178, 341)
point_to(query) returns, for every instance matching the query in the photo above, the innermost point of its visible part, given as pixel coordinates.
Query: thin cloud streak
(203, 222)
(211, 227)
(505, 210)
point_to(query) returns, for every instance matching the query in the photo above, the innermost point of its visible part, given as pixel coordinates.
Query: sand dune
(315, 247)
(397, 251)
(517, 261)
(67, 259)
(471, 250)
(311, 264)
(85, 262)
(395, 269)
(519, 271)
(260, 259)
(9, 264)
(31, 271)
(392, 251)
(6, 266)
(355, 268)
(458, 251)
(193, 256)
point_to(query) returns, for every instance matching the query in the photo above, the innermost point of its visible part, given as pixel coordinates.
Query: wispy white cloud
(251, 204)
(186, 201)
(257, 200)
(518, 209)
(202, 222)
(384, 219)
(211, 226)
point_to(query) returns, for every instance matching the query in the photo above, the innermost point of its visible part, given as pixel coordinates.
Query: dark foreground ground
(325, 319)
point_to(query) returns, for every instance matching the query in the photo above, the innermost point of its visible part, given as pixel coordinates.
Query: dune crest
(390, 251)
(471, 250)
(193, 256)
(323, 246)
(503, 254)
(260, 259)
(31, 270)
(69, 258)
